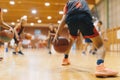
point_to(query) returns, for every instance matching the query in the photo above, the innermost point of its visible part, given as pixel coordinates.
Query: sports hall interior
(37, 63)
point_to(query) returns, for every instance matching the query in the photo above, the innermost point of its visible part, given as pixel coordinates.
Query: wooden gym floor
(37, 64)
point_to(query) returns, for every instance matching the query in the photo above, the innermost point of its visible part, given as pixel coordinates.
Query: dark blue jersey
(76, 6)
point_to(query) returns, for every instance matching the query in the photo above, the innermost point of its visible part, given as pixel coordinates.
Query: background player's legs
(49, 46)
(18, 47)
(1, 51)
(15, 48)
(93, 50)
(87, 43)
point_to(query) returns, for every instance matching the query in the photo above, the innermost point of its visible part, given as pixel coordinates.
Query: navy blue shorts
(87, 40)
(83, 23)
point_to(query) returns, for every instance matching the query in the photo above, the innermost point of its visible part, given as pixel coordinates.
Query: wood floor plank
(37, 64)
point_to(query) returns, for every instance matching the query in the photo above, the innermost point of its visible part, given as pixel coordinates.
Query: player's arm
(23, 32)
(55, 30)
(5, 25)
(15, 30)
(61, 25)
(48, 35)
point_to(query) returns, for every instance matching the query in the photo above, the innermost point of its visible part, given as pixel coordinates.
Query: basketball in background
(28, 36)
(61, 45)
(6, 36)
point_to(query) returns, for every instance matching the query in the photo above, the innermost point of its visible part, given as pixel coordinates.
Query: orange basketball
(6, 36)
(61, 45)
(28, 36)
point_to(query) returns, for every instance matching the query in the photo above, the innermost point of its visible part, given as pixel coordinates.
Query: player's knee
(97, 41)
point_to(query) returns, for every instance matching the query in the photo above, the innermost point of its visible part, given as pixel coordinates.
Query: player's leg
(87, 43)
(50, 44)
(20, 48)
(73, 31)
(88, 31)
(66, 55)
(15, 46)
(100, 68)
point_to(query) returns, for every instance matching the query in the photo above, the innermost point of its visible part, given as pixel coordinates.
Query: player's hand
(17, 37)
(55, 38)
(11, 29)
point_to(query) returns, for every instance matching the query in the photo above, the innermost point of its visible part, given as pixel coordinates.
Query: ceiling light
(18, 20)
(32, 24)
(59, 21)
(47, 4)
(34, 11)
(25, 17)
(49, 17)
(60, 12)
(12, 2)
(13, 23)
(5, 10)
(39, 21)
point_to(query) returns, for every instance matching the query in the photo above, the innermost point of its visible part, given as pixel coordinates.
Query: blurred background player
(2, 23)
(77, 16)
(3, 26)
(18, 30)
(51, 34)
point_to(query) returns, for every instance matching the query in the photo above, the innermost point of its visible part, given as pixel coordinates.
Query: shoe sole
(105, 75)
(66, 64)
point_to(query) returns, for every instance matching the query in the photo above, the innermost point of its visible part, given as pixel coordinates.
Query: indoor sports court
(37, 41)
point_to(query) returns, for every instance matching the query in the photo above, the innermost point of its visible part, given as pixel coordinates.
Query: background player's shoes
(83, 53)
(1, 58)
(50, 52)
(14, 53)
(93, 52)
(101, 71)
(65, 62)
(20, 53)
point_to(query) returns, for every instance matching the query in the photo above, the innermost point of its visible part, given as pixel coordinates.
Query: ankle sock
(66, 56)
(99, 61)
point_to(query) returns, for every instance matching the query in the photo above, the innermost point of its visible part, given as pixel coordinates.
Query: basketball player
(18, 30)
(78, 17)
(3, 26)
(51, 35)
